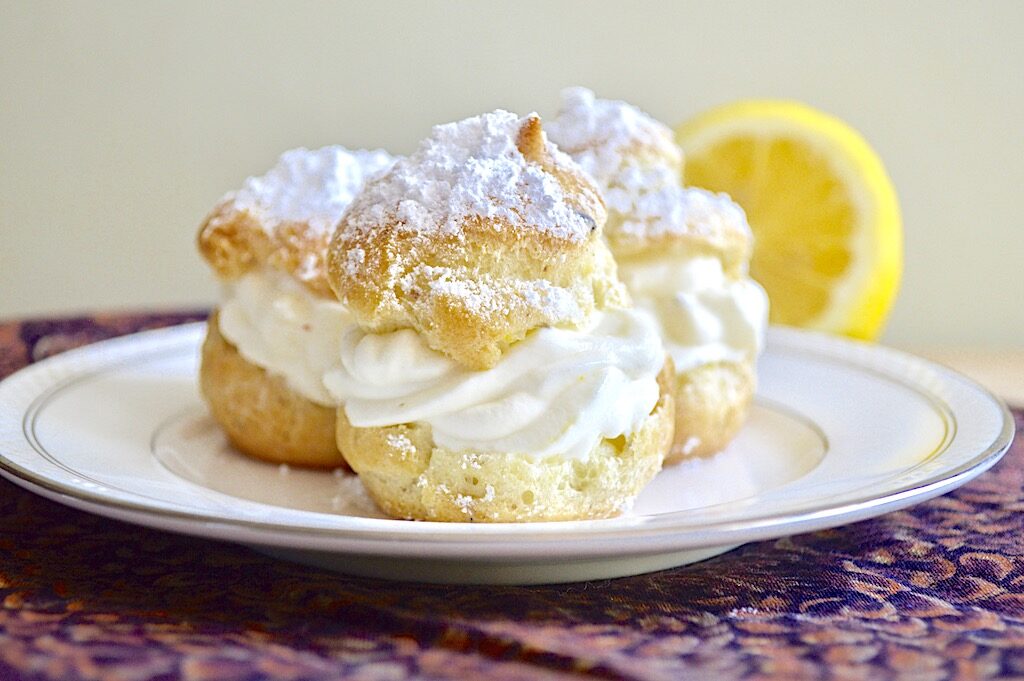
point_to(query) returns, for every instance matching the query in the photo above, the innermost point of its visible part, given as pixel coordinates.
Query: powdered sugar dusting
(603, 135)
(313, 187)
(401, 444)
(684, 210)
(636, 163)
(470, 169)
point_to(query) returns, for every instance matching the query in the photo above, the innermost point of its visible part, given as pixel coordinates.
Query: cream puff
(278, 327)
(495, 370)
(683, 253)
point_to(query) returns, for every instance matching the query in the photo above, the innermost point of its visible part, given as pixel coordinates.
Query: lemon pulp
(828, 237)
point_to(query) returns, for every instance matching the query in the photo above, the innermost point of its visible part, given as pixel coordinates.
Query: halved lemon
(828, 238)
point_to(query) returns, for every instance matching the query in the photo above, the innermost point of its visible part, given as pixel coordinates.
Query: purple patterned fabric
(933, 592)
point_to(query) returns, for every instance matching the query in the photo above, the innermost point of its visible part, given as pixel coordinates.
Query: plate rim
(435, 536)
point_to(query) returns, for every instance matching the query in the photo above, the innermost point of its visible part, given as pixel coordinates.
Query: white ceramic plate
(840, 431)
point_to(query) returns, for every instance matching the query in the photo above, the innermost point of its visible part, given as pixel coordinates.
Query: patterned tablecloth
(932, 592)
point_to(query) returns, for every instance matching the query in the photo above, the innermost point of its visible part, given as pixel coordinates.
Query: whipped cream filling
(279, 325)
(704, 315)
(556, 393)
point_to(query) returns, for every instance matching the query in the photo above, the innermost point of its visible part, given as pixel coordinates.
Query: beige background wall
(122, 123)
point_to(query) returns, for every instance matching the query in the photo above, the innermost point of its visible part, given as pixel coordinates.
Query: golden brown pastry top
(485, 233)
(638, 166)
(284, 219)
